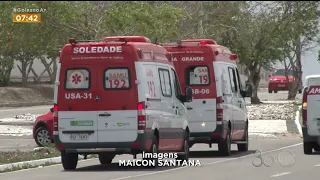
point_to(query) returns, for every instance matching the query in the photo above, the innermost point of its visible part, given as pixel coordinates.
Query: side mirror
(188, 96)
(248, 91)
(51, 109)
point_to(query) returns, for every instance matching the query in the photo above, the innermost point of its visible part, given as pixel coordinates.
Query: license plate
(77, 137)
(281, 85)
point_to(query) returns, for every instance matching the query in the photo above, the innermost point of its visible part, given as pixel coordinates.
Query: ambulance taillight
(141, 116)
(55, 119)
(304, 106)
(219, 105)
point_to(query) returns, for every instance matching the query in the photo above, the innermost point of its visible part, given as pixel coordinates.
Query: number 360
(268, 160)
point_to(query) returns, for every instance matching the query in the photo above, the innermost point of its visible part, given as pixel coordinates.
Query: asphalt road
(238, 165)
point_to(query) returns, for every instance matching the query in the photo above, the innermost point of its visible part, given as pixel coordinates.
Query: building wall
(37, 66)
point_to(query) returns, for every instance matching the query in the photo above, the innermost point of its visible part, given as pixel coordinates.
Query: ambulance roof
(202, 45)
(145, 50)
(313, 76)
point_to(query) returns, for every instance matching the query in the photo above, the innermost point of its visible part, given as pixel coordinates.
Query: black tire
(275, 91)
(224, 147)
(307, 147)
(69, 160)
(42, 136)
(244, 147)
(154, 149)
(270, 91)
(185, 149)
(300, 91)
(106, 158)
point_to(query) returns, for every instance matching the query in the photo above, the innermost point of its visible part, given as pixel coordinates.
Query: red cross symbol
(76, 78)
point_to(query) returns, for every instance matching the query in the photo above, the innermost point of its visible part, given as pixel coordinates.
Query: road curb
(297, 121)
(25, 104)
(31, 163)
(37, 162)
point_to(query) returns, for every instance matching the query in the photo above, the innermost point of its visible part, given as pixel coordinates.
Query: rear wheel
(154, 150)
(270, 91)
(275, 91)
(307, 147)
(106, 158)
(69, 160)
(224, 146)
(185, 150)
(300, 91)
(245, 146)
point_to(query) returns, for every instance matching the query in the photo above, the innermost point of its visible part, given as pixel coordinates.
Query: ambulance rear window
(116, 78)
(77, 79)
(197, 75)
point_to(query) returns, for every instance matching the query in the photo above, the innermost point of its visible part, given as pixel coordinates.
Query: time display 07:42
(27, 18)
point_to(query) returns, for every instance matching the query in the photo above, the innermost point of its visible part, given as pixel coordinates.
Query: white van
(311, 114)
(118, 96)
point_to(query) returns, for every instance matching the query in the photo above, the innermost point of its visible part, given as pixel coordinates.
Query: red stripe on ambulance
(314, 90)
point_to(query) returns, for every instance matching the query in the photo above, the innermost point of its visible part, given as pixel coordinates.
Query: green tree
(299, 33)
(254, 42)
(6, 59)
(27, 39)
(142, 18)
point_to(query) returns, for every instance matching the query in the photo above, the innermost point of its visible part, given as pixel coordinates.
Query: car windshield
(281, 72)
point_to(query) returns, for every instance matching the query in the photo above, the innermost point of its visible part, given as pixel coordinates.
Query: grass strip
(26, 166)
(19, 156)
(37, 154)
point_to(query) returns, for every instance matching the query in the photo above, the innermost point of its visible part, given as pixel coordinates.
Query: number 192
(117, 83)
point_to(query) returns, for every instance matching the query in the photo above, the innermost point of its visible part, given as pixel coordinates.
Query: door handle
(105, 114)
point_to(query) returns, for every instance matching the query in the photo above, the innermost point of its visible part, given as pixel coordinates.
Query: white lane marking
(318, 165)
(297, 121)
(146, 174)
(280, 174)
(215, 162)
(28, 108)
